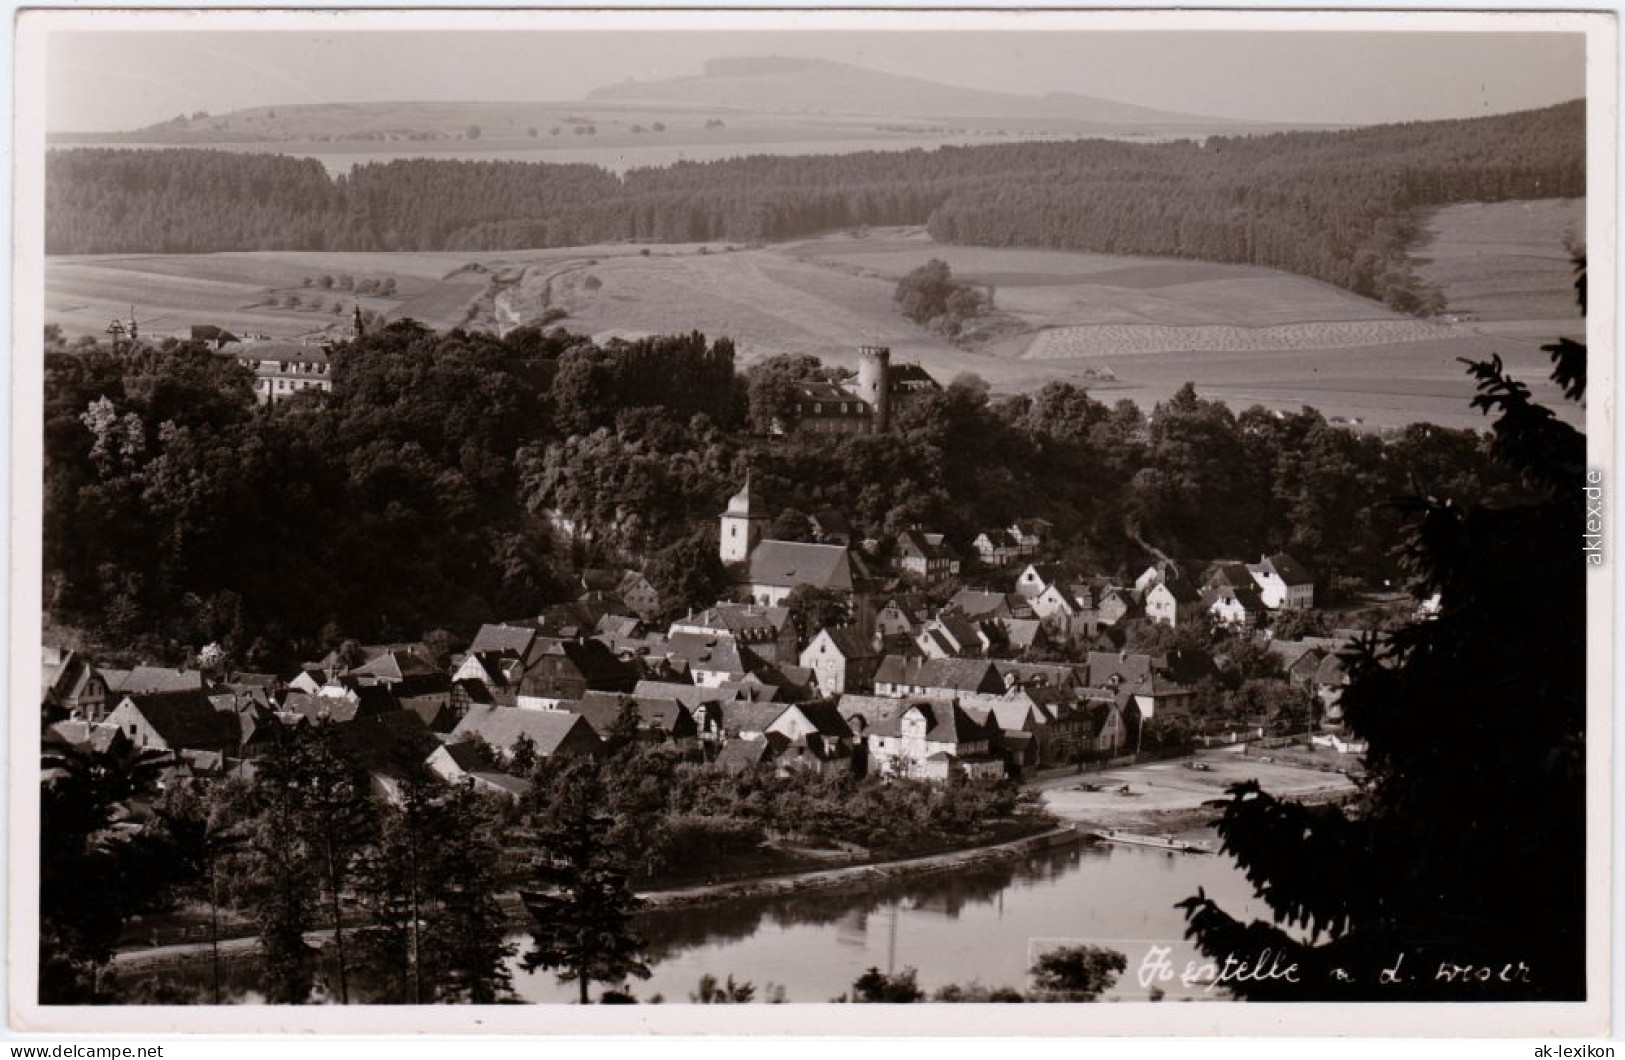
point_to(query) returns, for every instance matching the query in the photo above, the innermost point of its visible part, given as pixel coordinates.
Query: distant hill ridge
(779, 83)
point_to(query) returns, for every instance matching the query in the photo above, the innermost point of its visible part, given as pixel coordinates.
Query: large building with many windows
(282, 369)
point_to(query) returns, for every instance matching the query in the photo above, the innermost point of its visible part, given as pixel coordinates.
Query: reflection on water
(982, 923)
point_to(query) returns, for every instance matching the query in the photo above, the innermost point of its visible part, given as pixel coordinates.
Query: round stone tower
(873, 362)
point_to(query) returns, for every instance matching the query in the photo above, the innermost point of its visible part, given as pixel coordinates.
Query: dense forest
(452, 479)
(1337, 206)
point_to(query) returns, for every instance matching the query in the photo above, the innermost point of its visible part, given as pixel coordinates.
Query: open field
(1505, 261)
(1127, 327)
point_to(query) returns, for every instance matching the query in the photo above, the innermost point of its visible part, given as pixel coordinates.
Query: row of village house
(906, 689)
(920, 695)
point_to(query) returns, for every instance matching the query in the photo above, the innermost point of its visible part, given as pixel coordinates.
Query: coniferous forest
(1340, 207)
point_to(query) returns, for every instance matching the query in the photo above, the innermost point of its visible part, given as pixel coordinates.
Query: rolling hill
(823, 86)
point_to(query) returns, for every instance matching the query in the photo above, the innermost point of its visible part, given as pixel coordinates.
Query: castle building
(866, 404)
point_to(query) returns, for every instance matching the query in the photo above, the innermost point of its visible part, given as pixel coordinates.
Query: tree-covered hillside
(1336, 206)
(452, 479)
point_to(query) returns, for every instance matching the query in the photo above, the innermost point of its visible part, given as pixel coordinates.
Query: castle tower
(742, 526)
(873, 363)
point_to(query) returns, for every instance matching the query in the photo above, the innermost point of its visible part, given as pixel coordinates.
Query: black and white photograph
(1056, 512)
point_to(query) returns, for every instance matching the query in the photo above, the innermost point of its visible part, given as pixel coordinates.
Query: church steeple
(742, 525)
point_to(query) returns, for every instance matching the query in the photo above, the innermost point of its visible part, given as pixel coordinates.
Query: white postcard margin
(1590, 1018)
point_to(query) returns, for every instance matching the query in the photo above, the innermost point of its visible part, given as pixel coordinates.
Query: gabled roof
(746, 621)
(1292, 652)
(187, 719)
(434, 710)
(873, 709)
(1247, 596)
(1182, 590)
(975, 603)
(690, 696)
(506, 783)
(469, 756)
(791, 563)
(910, 375)
(848, 640)
(997, 537)
(1048, 573)
(920, 543)
(945, 723)
(743, 716)
(396, 666)
(1021, 633)
(394, 743)
(1234, 574)
(501, 727)
(1129, 666)
(960, 675)
(81, 733)
(963, 632)
(314, 708)
(1052, 675)
(826, 719)
(503, 639)
(591, 659)
(710, 652)
(602, 709)
(1287, 569)
(738, 755)
(146, 679)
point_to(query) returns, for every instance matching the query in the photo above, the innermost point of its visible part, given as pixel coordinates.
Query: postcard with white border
(817, 522)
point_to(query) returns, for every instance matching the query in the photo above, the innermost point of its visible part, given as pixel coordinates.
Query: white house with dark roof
(1241, 607)
(1283, 582)
(842, 660)
(933, 740)
(282, 369)
(177, 721)
(1173, 602)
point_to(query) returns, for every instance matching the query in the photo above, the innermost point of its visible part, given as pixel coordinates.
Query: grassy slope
(826, 296)
(1505, 262)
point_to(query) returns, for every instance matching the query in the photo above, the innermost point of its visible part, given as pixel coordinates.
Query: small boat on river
(1169, 843)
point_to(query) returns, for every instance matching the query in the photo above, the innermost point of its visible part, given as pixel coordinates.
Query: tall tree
(94, 873)
(435, 931)
(581, 902)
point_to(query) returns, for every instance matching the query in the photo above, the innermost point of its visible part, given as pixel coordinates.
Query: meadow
(1127, 327)
(1505, 262)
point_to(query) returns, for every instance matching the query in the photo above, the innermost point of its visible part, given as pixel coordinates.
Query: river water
(981, 923)
(984, 923)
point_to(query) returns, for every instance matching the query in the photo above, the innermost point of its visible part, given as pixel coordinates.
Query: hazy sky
(100, 81)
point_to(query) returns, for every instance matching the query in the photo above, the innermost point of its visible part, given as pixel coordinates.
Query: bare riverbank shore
(1172, 795)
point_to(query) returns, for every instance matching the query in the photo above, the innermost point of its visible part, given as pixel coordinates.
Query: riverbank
(868, 873)
(1173, 795)
(845, 876)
